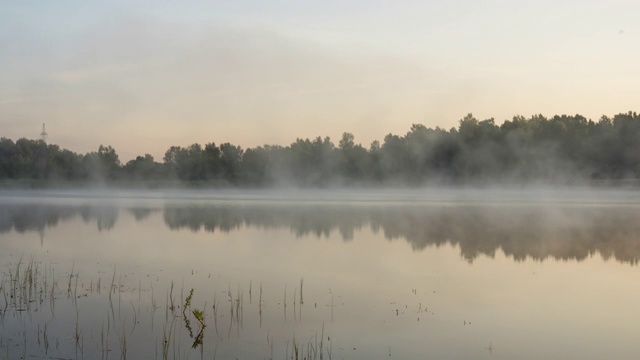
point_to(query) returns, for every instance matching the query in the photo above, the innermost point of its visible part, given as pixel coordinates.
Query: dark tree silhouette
(561, 149)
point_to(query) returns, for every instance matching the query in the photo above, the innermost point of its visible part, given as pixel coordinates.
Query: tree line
(521, 150)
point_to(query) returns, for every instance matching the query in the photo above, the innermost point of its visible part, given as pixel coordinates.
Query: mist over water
(540, 224)
(372, 273)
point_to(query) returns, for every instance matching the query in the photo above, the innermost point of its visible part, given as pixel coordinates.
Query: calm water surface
(334, 275)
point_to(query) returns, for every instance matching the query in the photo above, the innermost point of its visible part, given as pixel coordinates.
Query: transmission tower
(43, 134)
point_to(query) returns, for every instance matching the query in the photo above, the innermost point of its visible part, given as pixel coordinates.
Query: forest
(562, 149)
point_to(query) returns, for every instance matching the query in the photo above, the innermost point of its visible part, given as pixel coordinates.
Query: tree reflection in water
(566, 232)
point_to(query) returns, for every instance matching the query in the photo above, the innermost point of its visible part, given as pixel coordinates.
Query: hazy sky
(144, 75)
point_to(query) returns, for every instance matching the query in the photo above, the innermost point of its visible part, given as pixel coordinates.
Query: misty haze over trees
(556, 150)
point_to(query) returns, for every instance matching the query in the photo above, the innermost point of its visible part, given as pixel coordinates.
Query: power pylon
(43, 134)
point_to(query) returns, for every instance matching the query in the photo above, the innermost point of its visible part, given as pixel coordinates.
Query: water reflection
(520, 231)
(115, 275)
(538, 232)
(35, 217)
(141, 213)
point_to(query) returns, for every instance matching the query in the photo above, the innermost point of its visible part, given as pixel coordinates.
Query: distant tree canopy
(537, 149)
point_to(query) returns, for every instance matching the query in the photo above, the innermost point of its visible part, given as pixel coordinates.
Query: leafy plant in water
(199, 315)
(187, 301)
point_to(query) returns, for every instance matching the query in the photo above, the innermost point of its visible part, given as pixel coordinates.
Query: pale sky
(144, 75)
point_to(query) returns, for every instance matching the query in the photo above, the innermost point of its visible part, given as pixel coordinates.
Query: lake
(367, 274)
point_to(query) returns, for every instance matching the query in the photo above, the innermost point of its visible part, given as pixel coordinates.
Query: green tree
(109, 161)
(354, 159)
(142, 168)
(230, 162)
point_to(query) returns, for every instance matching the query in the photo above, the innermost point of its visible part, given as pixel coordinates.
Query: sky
(142, 76)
